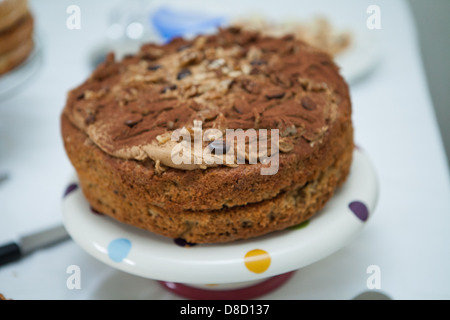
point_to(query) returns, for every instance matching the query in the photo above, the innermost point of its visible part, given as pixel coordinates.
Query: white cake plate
(240, 269)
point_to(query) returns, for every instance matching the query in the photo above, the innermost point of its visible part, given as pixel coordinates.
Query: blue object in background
(170, 23)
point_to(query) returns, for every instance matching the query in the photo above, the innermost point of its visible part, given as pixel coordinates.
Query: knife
(26, 244)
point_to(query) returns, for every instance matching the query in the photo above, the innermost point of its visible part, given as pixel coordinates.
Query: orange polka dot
(257, 260)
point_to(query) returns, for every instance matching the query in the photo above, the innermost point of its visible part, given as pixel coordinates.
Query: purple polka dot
(96, 211)
(183, 243)
(360, 210)
(71, 188)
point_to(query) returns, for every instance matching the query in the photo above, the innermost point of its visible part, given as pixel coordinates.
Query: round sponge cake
(119, 127)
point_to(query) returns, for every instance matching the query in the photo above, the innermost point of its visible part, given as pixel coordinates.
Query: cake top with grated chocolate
(234, 79)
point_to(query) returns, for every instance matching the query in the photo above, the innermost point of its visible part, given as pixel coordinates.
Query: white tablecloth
(394, 123)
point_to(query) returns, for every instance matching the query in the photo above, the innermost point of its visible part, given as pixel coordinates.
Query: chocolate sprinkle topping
(169, 88)
(132, 122)
(154, 67)
(90, 119)
(258, 62)
(308, 104)
(275, 95)
(183, 74)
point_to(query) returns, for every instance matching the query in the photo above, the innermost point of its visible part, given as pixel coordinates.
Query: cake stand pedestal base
(240, 291)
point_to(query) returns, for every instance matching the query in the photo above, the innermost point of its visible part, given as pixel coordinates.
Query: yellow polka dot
(257, 260)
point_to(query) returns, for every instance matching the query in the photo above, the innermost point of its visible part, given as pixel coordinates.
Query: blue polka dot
(118, 249)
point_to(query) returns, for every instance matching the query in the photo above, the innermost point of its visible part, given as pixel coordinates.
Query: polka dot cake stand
(243, 269)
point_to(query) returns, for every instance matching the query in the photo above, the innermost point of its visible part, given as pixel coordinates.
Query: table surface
(395, 124)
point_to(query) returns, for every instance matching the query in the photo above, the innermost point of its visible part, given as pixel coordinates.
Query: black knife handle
(9, 252)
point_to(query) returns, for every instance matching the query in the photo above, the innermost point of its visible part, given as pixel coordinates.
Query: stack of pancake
(16, 34)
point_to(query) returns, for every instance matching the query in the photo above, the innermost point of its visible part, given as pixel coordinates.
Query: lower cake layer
(287, 209)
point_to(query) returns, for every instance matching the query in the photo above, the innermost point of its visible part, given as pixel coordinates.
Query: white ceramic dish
(156, 257)
(361, 57)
